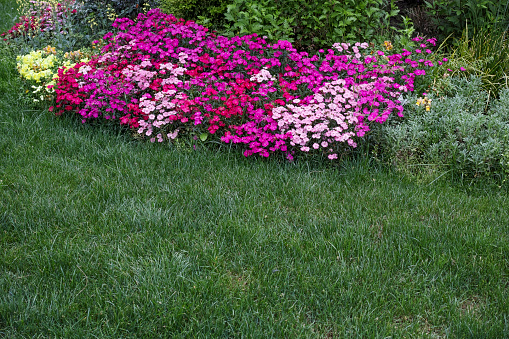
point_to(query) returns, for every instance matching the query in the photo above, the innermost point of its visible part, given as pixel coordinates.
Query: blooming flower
(159, 75)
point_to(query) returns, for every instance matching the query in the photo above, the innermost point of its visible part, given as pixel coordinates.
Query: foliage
(260, 17)
(314, 24)
(210, 12)
(25, 8)
(451, 16)
(68, 25)
(404, 34)
(463, 132)
(486, 54)
(180, 9)
(240, 90)
(98, 15)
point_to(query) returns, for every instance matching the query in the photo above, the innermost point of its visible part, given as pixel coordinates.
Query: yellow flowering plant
(40, 69)
(37, 65)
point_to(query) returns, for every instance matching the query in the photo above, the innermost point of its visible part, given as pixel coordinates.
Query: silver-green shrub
(465, 132)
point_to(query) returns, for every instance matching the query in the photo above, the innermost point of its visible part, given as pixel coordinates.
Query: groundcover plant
(165, 77)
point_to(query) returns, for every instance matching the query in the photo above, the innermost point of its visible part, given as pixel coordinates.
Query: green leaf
(394, 12)
(229, 17)
(204, 136)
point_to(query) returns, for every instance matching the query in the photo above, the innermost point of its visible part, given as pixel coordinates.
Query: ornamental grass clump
(165, 77)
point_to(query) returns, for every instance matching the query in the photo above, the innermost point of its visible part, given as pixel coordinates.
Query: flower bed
(165, 77)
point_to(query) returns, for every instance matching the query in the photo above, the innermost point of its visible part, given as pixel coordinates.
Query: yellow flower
(388, 45)
(425, 102)
(35, 65)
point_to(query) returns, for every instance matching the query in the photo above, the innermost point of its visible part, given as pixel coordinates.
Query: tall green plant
(451, 16)
(489, 48)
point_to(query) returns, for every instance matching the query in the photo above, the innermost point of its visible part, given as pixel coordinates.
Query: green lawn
(104, 236)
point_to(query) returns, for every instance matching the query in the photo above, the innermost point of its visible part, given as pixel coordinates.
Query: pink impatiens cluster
(164, 77)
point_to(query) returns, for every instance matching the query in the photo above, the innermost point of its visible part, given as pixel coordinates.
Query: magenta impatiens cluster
(165, 77)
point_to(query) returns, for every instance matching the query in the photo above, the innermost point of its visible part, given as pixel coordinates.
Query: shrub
(315, 24)
(463, 132)
(260, 17)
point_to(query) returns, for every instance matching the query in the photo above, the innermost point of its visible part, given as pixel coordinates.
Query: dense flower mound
(164, 77)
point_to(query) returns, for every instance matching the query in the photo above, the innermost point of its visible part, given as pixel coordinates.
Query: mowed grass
(104, 236)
